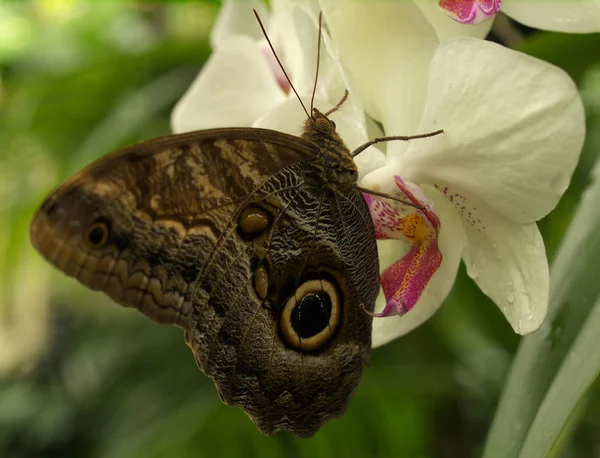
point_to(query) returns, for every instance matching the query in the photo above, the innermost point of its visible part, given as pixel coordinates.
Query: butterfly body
(257, 243)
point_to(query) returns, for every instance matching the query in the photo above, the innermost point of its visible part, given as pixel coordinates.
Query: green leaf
(575, 376)
(571, 52)
(554, 366)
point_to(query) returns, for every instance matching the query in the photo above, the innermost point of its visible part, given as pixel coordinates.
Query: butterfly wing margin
(165, 204)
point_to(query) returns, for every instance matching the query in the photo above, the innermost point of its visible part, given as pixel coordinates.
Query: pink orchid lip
(470, 11)
(405, 280)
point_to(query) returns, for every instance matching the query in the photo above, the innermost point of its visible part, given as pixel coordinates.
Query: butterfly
(257, 243)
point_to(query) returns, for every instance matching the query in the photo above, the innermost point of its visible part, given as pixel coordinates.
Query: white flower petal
(287, 117)
(311, 7)
(386, 57)
(382, 179)
(571, 16)
(513, 128)
(330, 85)
(451, 243)
(237, 18)
(284, 35)
(508, 262)
(369, 160)
(354, 133)
(234, 88)
(294, 32)
(295, 29)
(446, 27)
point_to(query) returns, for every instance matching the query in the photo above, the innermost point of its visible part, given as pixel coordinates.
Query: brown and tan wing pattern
(316, 242)
(140, 224)
(233, 235)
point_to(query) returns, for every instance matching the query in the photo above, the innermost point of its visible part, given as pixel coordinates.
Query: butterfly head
(334, 161)
(320, 123)
(321, 131)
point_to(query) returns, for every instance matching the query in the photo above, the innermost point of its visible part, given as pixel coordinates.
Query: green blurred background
(82, 377)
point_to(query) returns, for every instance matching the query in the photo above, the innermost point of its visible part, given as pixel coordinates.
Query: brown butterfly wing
(164, 203)
(315, 235)
(215, 231)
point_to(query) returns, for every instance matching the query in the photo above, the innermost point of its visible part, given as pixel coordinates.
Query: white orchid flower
(572, 16)
(242, 85)
(513, 131)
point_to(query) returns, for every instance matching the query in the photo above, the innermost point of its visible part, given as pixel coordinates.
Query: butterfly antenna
(339, 104)
(262, 27)
(390, 197)
(364, 146)
(314, 91)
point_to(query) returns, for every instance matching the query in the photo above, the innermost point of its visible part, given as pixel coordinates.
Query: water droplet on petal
(472, 270)
(510, 296)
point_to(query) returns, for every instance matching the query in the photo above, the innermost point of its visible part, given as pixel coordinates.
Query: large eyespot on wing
(311, 315)
(97, 234)
(291, 346)
(139, 223)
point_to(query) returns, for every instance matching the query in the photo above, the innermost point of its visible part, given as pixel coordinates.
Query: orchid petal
(513, 128)
(234, 88)
(451, 242)
(386, 57)
(369, 160)
(508, 262)
(237, 18)
(447, 28)
(404, 281)
(295, 33)
(571, 16)
(288, 117)
(302, 50)
(284, 36)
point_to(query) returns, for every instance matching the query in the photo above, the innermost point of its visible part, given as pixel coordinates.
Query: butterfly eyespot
(261, 281)
(253, 222)
(310, 317)
(96, 235)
